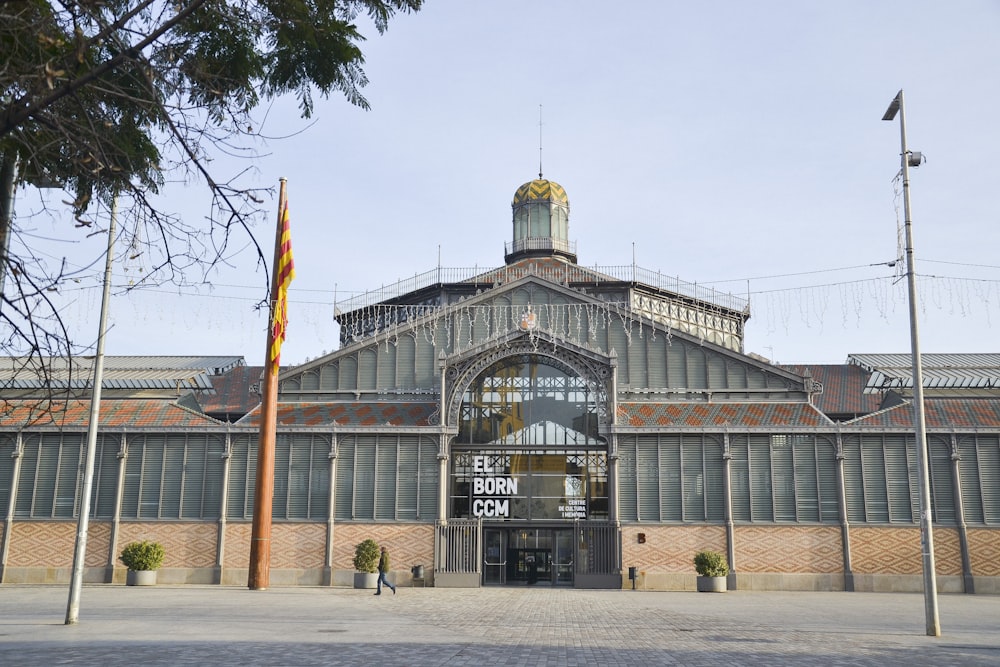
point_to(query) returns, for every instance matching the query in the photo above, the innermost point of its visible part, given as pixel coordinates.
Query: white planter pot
(140, 578)
(366, 579)
(711, 584)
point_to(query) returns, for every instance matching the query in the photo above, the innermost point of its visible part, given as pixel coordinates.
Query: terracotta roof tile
(158, 413)
(233, 393)
(348, 414)
(721, 414)
(940, 413)
(843, 388)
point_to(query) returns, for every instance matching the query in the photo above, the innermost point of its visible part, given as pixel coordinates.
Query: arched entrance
(529, 468)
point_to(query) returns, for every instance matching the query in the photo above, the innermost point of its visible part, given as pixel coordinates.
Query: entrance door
(562, 558)
(494, 556)
(528, 557)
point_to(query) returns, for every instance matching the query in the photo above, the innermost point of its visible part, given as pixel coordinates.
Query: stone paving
(211, 625)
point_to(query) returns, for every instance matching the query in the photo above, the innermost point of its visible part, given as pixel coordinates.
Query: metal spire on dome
(539, 141)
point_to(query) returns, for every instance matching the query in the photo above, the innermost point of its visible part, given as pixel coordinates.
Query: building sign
(490, 493)
(575, 508)
(529, 485)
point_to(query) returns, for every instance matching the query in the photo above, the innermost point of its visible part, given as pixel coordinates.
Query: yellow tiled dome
(540, 189)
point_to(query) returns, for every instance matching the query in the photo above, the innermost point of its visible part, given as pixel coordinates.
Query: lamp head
(893, 109)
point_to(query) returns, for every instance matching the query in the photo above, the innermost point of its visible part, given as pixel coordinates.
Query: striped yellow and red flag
(284, 272)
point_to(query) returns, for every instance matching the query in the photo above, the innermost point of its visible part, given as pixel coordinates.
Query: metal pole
(924, 487)
(8, 172)
(73, 606)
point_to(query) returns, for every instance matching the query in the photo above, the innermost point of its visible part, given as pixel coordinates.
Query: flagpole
(260, 544)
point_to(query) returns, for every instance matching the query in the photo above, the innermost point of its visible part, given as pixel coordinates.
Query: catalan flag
(284, 272)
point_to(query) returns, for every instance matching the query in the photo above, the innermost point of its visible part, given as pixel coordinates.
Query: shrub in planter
(366, 556)
(142, 556)
(710, 564)
(712, 569)
(142, 560)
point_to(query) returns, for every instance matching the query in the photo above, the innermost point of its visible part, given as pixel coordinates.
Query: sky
(736, 145)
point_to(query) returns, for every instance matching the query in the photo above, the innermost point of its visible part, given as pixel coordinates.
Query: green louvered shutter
(319, 478)
(826, 472)
(192, 493)
(215, 468)
(988, 450)
(854, 485)
(429, 471)
(175, 447)
(27, 482)
(627, 478)
(385, 478)
(968, 468)
(364, 477)
(806, 486)
(897, 453)
(942, 488)
(714, 485)
(647, 466)
(105, 482)
(783, 478)
(7, 444)
(761, 498)
(344, 487)
(873, 469)
(408, 467)
(739, 474)
(153, 453)
(297, 475)
(671, 485)
(69, 450)
(693, 474)
(283, 446)
(240, 483)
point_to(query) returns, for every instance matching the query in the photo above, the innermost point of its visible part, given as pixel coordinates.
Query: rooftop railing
(539, 243)
(560, 272)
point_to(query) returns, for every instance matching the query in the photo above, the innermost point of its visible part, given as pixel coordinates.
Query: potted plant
(366, 555)
(712, 569)
(142, 559)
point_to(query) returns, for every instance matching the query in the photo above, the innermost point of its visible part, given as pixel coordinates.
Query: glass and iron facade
(537, 424)
(527, 447)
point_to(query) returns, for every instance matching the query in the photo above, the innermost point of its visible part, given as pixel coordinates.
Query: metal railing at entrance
(598, 548)
(458, 546)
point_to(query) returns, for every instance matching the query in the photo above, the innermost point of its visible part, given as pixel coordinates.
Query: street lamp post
(924, 487)
(80, 551)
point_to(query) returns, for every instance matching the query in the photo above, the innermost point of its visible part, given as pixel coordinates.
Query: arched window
(528, 400)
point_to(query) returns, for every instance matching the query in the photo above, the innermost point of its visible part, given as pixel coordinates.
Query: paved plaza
(211, 625)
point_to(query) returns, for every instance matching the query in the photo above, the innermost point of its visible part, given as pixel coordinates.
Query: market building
(540, 423)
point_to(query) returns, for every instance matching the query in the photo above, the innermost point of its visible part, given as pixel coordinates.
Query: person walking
(383, 569)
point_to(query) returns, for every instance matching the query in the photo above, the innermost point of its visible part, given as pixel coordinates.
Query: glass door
(562, 557)
(494, 556)
(527, 557)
